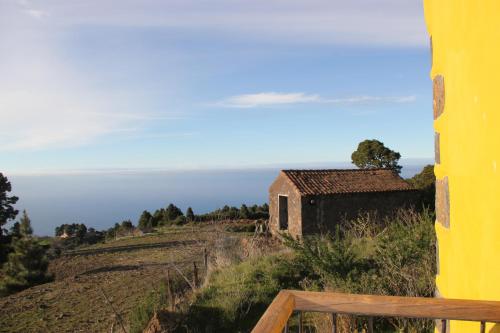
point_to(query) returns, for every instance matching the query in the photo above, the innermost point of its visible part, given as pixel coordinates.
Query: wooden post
(370, 325)
(205, 259)
(443, 325)
(483, 327)
(334, 323)
(354, 325)
(190, 283)
(195, 275)
(170, 293)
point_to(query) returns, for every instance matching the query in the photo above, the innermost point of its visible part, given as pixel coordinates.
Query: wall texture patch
(443, 202)
(439, 95)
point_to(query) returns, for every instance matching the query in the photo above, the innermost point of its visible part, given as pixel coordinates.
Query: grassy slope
(125, 269)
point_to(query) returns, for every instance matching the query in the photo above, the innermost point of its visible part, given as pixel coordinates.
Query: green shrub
(142, 313)
(180, 220)
(155, 301)
(26, 266)
(241, 228)
(394, 258)
(236, 296)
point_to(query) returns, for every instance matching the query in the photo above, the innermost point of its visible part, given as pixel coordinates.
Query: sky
(195, 84)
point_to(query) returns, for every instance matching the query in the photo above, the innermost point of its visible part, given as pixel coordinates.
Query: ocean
(101, 198)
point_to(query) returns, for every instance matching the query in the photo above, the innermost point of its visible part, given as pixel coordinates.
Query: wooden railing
(275, 319)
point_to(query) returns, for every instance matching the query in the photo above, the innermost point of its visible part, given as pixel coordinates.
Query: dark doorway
(283, 212)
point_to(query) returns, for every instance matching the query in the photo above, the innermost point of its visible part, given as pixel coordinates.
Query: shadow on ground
(126, 248)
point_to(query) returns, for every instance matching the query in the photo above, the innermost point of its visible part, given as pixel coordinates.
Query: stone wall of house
(326, 212)
(283, 186)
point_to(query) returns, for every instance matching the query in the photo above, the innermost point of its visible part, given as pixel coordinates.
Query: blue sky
(209, 84)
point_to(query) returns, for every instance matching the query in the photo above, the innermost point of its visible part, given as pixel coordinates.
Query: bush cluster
(254, 212)
(396, 257)
(27, 262)
(173, 215)
(235, 297)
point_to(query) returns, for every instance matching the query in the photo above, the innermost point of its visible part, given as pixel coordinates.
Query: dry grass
(126, 270)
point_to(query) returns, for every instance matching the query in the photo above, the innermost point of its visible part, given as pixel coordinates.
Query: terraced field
(96, 284)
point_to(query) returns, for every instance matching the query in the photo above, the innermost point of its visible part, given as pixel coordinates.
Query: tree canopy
(145, 221)
(425, 182)
(15, 230)
(25, 225)
(190, 214)
(374, 154)
(7, 211)
(27, 265)
(424, 179)
(77, 230)
(172, 212)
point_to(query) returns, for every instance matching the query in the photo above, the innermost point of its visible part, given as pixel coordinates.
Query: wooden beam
(392, 306)
(277, 314)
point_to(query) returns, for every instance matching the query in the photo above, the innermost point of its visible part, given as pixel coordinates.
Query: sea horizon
(99, 198)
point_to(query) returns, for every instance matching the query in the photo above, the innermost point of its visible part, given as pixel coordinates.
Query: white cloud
(32, 11)
(37, 118)
(38, 14)
(356, 22)
(371, 99)
(45, 103)
(267, 99)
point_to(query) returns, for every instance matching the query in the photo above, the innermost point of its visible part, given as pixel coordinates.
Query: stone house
(307, 201)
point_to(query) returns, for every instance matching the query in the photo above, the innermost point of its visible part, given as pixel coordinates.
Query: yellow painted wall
(466, 52)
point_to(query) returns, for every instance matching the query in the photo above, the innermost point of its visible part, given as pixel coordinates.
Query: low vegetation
(238, 295)
(92, 284)
(26, 263)
(365, 256)
(394, 258)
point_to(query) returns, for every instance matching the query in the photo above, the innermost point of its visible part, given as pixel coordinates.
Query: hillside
(92, 281)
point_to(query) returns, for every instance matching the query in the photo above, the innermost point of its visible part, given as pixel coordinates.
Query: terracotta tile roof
(336, 181)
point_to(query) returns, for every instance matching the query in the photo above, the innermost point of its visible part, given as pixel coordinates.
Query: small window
(283, 211)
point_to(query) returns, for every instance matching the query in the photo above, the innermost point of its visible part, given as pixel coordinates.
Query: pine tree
(80, 230)
(127, 225)
(190, 214)
(145, 221)
(25, 225)
(374, 154)
(7, 212)
(26, 266)
(244, 212)
(158, 217)
(172, 212)
(15, 230)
